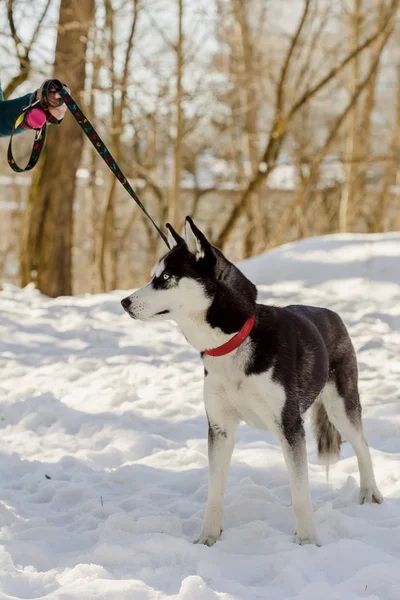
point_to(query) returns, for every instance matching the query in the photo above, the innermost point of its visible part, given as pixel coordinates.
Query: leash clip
(30, 105)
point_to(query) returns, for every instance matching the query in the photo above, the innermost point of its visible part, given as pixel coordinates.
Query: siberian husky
(264, 365)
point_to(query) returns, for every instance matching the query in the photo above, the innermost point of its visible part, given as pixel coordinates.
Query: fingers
(58, 112)
(54, 97)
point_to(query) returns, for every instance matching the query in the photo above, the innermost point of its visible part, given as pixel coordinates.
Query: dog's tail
(327, 436)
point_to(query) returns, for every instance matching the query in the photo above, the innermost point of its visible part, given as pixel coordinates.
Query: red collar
(234, 342)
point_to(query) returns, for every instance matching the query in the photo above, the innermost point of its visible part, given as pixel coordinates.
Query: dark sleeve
(9, 112)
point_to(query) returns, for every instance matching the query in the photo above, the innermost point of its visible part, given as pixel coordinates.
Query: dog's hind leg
(292, 437)
(221, 431)
(344, 412)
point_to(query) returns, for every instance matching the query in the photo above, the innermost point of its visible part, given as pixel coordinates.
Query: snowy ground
(103, 470)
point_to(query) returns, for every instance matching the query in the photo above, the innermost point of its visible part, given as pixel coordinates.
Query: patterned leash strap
(90, 133)
(39, 105)
(38, 143)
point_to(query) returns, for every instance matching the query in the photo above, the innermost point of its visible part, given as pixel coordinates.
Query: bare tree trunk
(357, 173)
(175, 202)
(92, 190)
(107, 235)
(46, 244)
(108, 238)
(391, 171)
(350, 166)
(397, 200)
(363, 148)
(255, 236)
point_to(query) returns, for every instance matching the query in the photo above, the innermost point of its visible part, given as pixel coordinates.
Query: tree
(23, 50)
(248, 83)
(350, 166)
(286, 111)
(175, 204)
(46, 241)
(237, 112)
(392, 170)
(118, 105)
(301, 192)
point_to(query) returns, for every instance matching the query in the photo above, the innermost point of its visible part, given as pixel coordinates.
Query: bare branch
(280, 95)
(37, 28)
(301, 194)
(280, 127)
(308, 94)
(160, 31)
(312, 45)
(128, 54)
(22, 51)
(11, 22)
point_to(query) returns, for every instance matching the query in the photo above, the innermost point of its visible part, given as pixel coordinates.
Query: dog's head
(193, 278)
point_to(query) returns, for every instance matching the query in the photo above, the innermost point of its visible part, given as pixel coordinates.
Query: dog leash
(87, 128)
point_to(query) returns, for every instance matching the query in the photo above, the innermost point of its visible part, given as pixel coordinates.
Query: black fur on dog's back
(307, 347)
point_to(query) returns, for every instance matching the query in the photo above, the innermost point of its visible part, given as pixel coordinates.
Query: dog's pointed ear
(196, 241)
(174, 239)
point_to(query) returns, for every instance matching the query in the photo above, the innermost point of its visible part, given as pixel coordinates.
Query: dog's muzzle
(126, 304)
(135, 309)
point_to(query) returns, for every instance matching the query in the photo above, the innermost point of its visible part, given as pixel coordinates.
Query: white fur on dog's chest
(255, 399)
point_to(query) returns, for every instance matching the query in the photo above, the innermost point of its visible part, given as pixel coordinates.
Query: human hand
(57, 111)
(53, 98)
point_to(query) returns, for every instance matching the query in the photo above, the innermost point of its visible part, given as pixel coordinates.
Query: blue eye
(165, 275)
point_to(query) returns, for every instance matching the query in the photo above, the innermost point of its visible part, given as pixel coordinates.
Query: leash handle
(43, 101)
(38, 143)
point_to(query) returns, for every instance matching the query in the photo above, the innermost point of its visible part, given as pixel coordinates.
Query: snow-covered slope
(103, 466)
(333, 257)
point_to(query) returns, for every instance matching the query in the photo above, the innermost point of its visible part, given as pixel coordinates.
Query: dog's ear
(196, 241)
(174, 239)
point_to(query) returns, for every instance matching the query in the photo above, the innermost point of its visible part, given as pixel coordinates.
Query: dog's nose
(125, 303)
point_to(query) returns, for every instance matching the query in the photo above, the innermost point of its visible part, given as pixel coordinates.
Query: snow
(103, 470)
(338, 257)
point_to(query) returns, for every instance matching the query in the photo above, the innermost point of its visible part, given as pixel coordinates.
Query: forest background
(265, 120)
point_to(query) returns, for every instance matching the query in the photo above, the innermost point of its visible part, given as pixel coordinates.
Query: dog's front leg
(220, 447)
(221, 431)
(295, 454)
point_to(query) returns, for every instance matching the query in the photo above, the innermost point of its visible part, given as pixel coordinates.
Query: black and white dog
(263, 365)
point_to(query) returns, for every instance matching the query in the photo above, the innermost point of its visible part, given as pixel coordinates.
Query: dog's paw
(208, 539)
(369, 495)
(302, 540)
